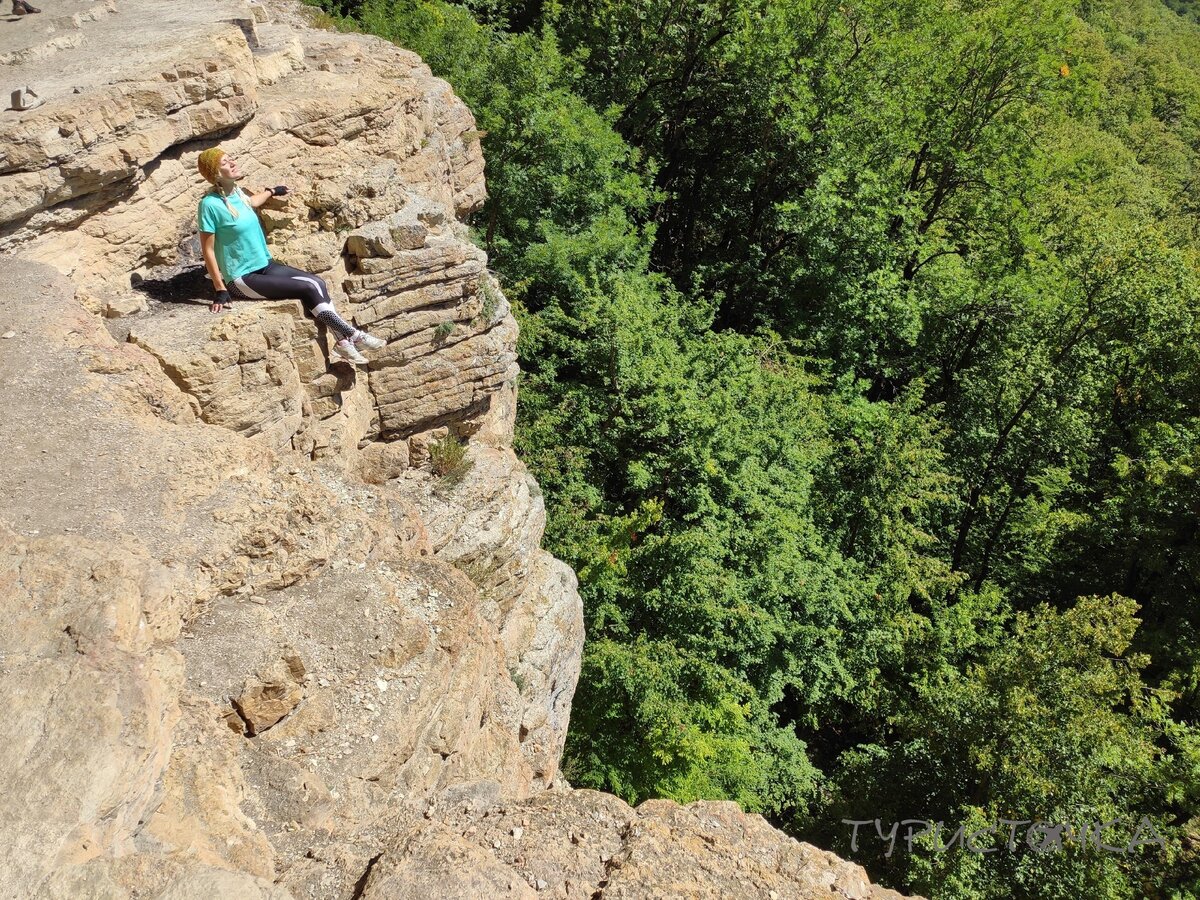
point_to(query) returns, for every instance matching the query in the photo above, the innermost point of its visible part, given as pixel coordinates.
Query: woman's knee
(312, 290)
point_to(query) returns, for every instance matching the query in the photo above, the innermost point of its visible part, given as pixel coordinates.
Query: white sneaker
(346, 351)
(369, 341)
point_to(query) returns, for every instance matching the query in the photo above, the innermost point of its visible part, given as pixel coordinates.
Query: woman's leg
(280, 282)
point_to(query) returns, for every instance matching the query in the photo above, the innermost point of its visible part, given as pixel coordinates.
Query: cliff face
(256, 646)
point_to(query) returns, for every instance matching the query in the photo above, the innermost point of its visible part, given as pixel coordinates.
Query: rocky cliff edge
(265, 637)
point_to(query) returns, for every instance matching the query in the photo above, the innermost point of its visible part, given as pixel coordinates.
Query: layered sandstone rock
(490, 525)
(259, 644)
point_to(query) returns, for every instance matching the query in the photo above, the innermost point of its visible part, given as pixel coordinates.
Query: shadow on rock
(176, 285)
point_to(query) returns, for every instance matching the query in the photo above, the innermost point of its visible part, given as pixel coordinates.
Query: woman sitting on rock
(239, 263)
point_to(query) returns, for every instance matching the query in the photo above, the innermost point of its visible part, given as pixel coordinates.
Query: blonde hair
(216, 189)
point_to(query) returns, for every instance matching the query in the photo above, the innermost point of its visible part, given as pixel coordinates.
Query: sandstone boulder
(271, 694)
(582, 844)
(127, 305)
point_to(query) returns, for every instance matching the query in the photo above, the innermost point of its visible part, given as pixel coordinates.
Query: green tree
(1053, 723)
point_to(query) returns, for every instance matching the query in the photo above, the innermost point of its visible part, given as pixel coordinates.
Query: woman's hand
(268, 193)
(222, 300)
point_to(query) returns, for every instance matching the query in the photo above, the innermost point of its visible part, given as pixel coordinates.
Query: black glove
(223, 298)
(279, 190)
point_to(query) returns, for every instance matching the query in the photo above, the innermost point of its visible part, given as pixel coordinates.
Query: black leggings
(279, 282)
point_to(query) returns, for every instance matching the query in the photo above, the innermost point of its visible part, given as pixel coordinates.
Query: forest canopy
(861, 372)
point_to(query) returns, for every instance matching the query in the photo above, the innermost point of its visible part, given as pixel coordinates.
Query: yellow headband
(209, 162)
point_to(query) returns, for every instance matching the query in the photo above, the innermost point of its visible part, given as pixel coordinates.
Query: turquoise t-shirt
(241, 246)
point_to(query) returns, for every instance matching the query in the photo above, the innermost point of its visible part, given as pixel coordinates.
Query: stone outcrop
(227, 656)
(582, 844)
(492, 530)
(267, 637)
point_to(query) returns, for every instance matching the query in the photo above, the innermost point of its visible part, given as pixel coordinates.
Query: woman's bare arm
(208, 244)
(259, 198)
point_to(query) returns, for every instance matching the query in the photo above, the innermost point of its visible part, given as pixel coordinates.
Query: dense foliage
(862, 375)
(1186, 8)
